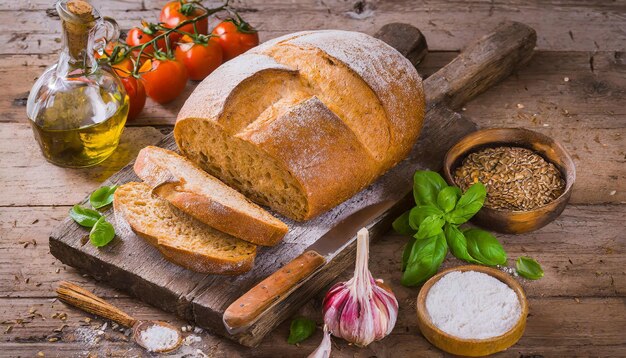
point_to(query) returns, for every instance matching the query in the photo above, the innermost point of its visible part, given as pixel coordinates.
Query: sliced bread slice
(206, 198)
(181, 239)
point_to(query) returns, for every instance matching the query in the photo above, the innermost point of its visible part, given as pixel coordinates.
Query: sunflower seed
(515, 178)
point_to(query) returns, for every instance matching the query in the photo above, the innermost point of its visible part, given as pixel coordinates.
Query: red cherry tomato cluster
(157, 60)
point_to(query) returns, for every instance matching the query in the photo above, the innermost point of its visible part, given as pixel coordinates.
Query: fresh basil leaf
(102, 233)
(426, 186)
(401, 225)
(102, 197)
(406, 253)
(83, 216)
(301, 328)
(431, 226)
(457, 243)
(447, 198)
(425, 259)
(529, 268)
(484, 247)
(419, 213)
(468, 205)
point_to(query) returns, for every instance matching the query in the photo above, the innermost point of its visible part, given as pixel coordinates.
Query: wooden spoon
(80, 298)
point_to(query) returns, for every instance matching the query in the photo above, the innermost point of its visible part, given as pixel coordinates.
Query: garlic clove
(323, 350)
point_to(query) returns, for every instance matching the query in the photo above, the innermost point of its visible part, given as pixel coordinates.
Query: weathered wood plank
(448, 25)
(28, 179)
(593, 102)
(596, 268)
(590, 326)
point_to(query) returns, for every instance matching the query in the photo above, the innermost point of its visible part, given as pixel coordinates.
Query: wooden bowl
(464, 346)
(512, 221)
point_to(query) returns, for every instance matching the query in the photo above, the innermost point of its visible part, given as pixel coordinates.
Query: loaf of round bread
(303, 122)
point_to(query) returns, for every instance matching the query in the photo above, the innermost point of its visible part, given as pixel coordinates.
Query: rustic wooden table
(574, 90)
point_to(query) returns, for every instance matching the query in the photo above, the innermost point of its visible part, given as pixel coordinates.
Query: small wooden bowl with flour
(472, 310)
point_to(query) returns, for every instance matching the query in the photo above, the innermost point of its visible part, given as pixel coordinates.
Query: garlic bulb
(323, 351)
(361, 310)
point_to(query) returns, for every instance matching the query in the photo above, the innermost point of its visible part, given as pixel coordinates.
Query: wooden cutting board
(129, 263)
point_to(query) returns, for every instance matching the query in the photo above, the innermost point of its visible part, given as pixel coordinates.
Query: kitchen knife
(276, 287)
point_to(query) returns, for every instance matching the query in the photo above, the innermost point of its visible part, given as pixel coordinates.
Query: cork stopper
(79, 21)
(80, 8)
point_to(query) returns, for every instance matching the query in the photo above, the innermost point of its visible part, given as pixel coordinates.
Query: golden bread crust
(343, 102)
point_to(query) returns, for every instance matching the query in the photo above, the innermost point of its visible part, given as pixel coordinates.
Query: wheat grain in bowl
(516, 178)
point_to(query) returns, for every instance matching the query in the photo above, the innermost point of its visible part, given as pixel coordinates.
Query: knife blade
(246, 309)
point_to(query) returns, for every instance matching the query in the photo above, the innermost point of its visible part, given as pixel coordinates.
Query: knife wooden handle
(272, 289)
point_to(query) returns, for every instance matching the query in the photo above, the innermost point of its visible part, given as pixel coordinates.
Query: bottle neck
(78, 45)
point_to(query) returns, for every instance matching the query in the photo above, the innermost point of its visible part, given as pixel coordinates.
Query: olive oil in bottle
(78, 109)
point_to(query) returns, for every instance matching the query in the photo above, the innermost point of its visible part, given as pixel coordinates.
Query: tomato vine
(122, 51)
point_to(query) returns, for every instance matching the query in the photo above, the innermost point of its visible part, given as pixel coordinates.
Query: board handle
(406, 39)
(80, 298)
(271, 290)
(480, 65)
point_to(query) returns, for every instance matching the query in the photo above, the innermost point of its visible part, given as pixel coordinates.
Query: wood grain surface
(573, 90)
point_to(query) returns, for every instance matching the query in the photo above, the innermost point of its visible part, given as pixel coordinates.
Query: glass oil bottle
(77, 108)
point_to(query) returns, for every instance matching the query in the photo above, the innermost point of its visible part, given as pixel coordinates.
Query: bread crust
(331, 151)
(181, 256)
(158, 168)
(349, 165)
(224, 218)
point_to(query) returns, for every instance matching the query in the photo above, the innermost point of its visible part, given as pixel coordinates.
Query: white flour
(472, 304)
(157, 338)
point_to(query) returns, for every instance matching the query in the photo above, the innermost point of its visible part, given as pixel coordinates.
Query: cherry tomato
(136, 94)
(201, 56)
(235, 37)
(166, 81)
(140, 35)
(177, 11)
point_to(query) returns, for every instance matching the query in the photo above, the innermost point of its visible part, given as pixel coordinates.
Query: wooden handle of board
(80, 298)
(406, 39)
(271, 290)
(481, 65)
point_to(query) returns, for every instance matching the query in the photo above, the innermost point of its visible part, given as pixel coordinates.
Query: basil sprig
(102, 232)
(529, 268)
(433, 225)
(102, 197)
(301, 328)
(83, 216)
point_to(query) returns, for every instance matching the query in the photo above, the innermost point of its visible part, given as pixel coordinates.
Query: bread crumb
(566, 79)
(612, 192)
(520, 106)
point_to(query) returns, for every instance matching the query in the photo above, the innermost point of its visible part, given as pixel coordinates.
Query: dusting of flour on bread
(216, 88)
(312, 119)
